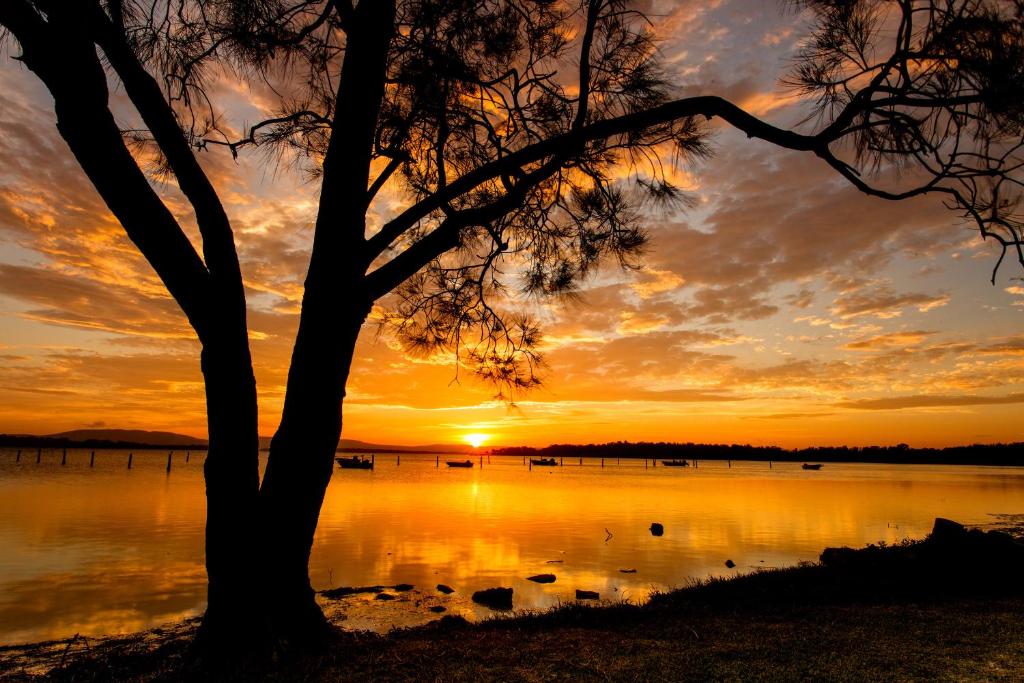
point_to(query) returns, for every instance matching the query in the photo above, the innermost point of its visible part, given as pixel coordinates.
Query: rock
(657, 529)
(587, 595)
(628, 571)
(384, 596)
(495, 598)
(404, 587)
(542, 578)
(730, 564)
(837, 557)
(437, 609)
(349, 590)
(447, 590)
(947, 530)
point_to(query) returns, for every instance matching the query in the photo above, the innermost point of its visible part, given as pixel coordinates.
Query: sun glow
(476, 440)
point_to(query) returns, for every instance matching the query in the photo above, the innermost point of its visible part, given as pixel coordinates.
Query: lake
(104, 549)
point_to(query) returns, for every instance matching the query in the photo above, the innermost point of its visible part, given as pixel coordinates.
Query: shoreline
(946, 607)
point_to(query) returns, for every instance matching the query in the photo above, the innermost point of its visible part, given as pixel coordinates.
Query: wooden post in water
(130, 456)
(372, 455)
(92, 458)
(481, 462)
(602, 462)
(561, 461)
(530, 465)
(398, 461)
(437, 461)
(187, 454)
(581, 462)
(18, 458)
(39, 455)
(64, 458)
(618, 461)
(645, 463)
(169, 461)
(769, 464)
(654, 462)
(730, 463)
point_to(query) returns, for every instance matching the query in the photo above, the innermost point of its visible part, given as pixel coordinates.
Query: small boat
(675, 463)
(459, 463)
(354, 463)
(816, 466)
(543, 462)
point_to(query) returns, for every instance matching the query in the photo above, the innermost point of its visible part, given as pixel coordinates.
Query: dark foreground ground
(947, 608)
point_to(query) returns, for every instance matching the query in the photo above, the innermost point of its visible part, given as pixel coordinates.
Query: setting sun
(476, 440)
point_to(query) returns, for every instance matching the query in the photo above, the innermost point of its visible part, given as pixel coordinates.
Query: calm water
(103, 550)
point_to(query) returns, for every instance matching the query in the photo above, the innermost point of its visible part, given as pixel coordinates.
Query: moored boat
(543, 462)
(675, 463)
(354, 463)
(459, 463)
(815, 466)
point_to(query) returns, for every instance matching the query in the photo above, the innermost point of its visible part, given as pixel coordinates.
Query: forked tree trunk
(302, 459)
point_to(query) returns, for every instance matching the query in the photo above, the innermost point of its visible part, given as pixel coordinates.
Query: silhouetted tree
(507, 124)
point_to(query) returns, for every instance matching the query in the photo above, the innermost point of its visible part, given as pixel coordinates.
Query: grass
(933, 610)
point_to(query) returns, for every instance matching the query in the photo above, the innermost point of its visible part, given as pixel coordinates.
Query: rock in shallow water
(542, 578)
(657, 529)
(495, 598)
(587, 595)
(447, 590)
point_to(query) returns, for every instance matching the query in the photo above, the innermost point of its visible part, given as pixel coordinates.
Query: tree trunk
(302, 459)
(235, 619)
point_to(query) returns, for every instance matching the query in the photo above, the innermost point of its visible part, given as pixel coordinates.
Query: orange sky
(784, 309)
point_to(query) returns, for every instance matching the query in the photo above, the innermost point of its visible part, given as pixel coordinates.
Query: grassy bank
(947, 608)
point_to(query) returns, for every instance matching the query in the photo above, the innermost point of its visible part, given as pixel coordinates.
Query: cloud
(885, 303)
(901, 402)
(887, 341)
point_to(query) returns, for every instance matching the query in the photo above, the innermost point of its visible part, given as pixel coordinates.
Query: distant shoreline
(998, 455)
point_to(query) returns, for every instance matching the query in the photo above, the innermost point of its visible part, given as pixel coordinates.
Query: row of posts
(398, 460)
(92, 458)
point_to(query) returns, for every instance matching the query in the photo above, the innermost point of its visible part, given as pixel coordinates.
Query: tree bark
(302, 459)
(235, 620)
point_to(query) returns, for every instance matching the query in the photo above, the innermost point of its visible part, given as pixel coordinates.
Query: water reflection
(104, 549)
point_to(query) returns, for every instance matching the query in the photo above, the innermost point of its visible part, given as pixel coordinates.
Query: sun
(476, 440)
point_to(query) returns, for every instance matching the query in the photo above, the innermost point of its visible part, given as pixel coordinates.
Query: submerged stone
(447, 590)
(657, 529)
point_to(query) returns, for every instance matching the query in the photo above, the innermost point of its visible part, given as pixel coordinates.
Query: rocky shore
(944, 608)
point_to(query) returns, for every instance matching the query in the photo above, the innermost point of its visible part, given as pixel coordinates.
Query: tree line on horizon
(1010, 454)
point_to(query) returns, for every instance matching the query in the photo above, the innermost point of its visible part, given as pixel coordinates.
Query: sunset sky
(785, 308)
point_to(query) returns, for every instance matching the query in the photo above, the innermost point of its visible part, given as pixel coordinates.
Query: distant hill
(352, 445)
(140, 438)
(134, 436)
